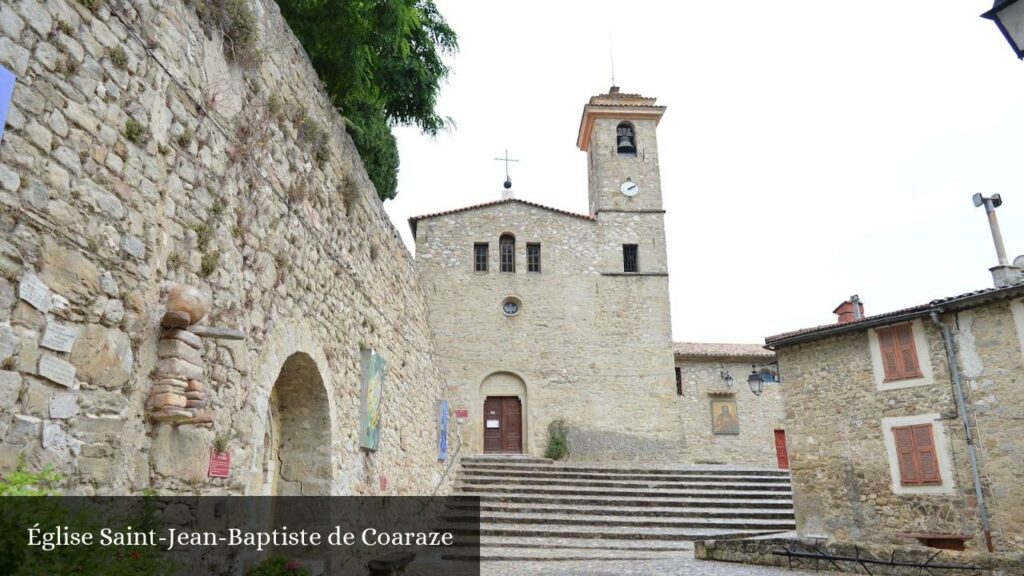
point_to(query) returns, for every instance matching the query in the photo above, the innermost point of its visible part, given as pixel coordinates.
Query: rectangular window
(899, 354)
(480, 254)
(915, 452)
(533, 257)
(507, 253)
(629, 258)
(679, 381)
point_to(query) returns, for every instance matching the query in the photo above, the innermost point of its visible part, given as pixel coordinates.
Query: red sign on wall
(462, 413)
(220, 464)
(383, 483)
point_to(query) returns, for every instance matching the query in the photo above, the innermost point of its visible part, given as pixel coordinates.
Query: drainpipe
(954, 371)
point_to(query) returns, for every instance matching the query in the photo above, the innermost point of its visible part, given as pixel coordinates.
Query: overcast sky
(811, 150)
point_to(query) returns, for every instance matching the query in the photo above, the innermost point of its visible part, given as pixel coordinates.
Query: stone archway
(503, 396)
(299, 432)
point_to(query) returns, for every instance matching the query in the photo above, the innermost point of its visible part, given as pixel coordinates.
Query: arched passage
(298, 440)
(504, 413)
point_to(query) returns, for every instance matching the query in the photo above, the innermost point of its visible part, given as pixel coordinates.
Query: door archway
(299, 438)
(504, 414)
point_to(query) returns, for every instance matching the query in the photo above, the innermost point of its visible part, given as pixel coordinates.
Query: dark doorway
(781, 454)
(503, 425)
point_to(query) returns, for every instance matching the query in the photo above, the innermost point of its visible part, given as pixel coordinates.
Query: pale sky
(811, 150)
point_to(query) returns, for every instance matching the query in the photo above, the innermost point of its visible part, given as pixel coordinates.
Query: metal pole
(954, 371)
(997, 236)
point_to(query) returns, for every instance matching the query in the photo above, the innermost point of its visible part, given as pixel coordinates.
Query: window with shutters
(898, 351)
(915, 454)
(679, 381)
(480, 254)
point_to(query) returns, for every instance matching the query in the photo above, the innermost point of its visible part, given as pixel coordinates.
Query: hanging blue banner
(6, 91)
(442, 431)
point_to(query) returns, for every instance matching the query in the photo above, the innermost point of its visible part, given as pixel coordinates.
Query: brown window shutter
(905, 455)
(925, 445)
(907, 351)
(890, 353)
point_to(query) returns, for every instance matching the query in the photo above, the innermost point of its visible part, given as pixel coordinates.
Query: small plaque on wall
(220, 464)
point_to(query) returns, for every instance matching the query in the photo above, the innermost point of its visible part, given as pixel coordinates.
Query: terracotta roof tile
(415, 219)
(723, 350)
(805, 334)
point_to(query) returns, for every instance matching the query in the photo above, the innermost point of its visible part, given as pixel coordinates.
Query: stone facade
(591, 344)
(759, 416)
(138, 155)
(840, 413)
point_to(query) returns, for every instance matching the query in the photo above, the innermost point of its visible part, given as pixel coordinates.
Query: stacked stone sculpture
(178, 394)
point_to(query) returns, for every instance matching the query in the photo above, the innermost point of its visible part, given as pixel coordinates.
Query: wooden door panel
(512, 426)
(492, 436)
(781, 453)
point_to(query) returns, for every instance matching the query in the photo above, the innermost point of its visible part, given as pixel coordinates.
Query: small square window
(480, 255)
(533, 257)
(630, 262)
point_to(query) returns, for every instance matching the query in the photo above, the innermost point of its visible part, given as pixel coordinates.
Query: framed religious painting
(724, 418)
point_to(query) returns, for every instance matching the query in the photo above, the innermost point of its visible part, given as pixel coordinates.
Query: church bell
(626, 145)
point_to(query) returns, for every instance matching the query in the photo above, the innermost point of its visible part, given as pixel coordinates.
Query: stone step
(585, 491)
(603, 532)
(544, 554)
(631, 501)
(560, 475)
(640, 523)
(529, 466)
(511, 542)
(631, 511)
(636, 484)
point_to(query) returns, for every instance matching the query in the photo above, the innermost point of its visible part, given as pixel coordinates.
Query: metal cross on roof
(506, 160)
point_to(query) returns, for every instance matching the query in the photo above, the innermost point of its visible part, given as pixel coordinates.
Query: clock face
(629, 188)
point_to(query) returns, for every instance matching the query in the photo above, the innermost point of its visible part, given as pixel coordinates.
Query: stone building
(710, 376)
(139, 153)
(878, 446)
(542, 315)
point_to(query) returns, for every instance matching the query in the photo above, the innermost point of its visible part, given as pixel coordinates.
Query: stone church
(542, 315)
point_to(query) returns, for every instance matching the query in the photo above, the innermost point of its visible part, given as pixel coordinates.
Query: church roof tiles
(415, 219)
(711, 350)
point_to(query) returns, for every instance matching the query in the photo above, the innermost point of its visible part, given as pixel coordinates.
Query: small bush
(209, 263)
(64, 28)
(204, 233)
(277, 566)
(118, 57)
(237, 22)
(185, 138)
(558, 440)
(133, 130)
(93, 5)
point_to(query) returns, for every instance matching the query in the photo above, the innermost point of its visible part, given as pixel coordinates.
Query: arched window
(507, 252)
(626, 139)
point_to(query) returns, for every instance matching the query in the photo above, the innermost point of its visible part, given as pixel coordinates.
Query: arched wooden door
(503, 425)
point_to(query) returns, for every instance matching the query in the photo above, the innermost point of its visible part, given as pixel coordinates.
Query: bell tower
(618, 133)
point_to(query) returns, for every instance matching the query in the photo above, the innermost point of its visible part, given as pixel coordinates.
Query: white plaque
(57, 370)
(33, 291)
(59, 337)
(492, 423)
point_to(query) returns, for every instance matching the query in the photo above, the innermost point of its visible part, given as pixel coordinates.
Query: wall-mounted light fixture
(757, 378)
(726, 377)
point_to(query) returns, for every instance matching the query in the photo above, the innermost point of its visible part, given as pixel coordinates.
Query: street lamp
(1009, 17)
(726, 377)
(756, 382)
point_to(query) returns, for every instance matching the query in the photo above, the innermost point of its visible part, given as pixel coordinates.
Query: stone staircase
(532, 509)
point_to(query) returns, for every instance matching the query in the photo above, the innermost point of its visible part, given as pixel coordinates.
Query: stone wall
(763, 551)
(759, 416)
(836, 415)
(592, 349)
(140, 153)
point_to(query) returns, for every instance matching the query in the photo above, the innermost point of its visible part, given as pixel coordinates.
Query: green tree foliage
(381, 62)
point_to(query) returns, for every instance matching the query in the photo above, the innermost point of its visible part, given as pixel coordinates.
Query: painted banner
(442, 432)
(372, 369)
(6, 91)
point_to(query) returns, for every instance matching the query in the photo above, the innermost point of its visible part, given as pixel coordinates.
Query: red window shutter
(925, 445)
(907, 351)
(905, 455)
(890, 353)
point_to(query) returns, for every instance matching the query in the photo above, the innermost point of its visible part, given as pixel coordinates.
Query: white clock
(629, 188)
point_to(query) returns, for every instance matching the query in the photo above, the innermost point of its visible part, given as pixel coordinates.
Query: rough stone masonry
(142, 152)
